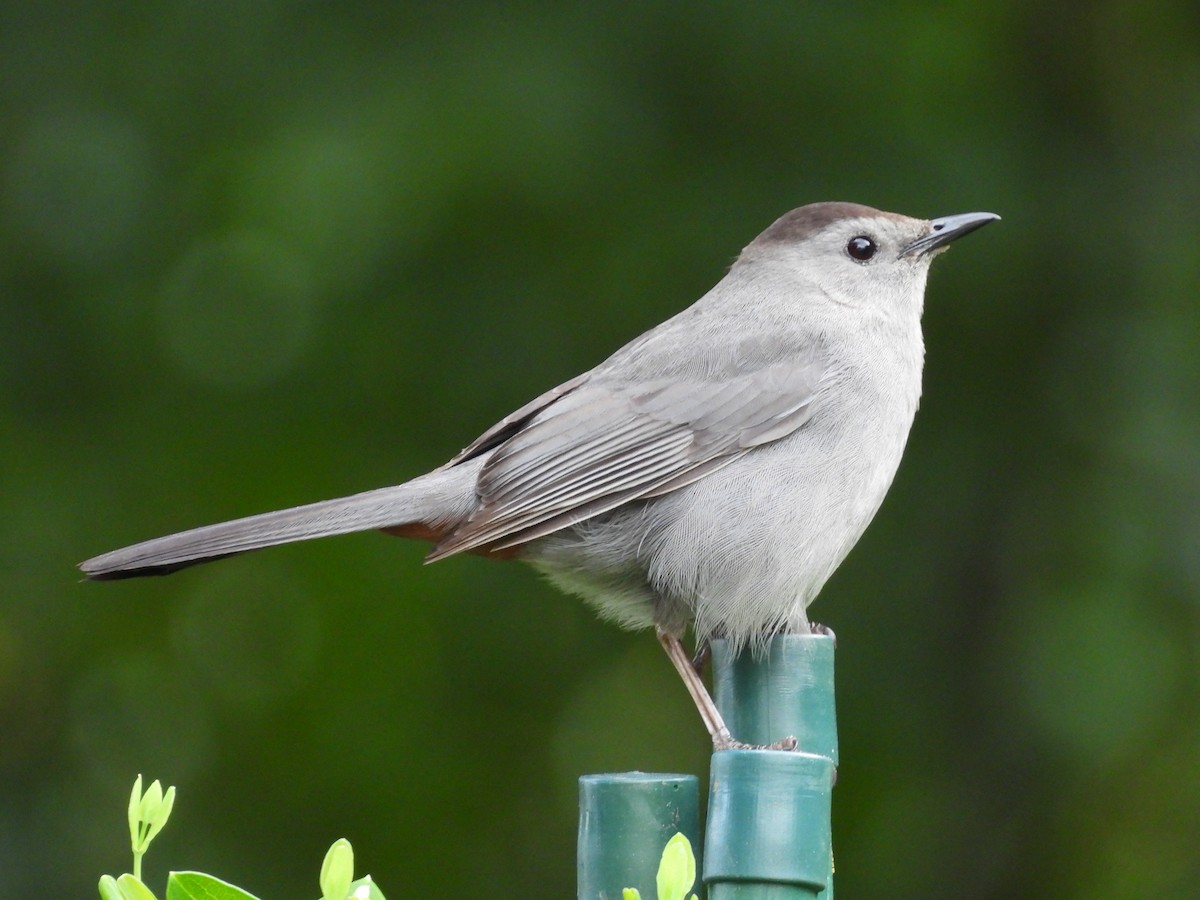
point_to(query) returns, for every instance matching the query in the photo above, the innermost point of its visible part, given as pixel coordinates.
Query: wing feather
(595, 444)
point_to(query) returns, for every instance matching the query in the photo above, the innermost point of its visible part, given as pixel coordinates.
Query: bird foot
(822, 630)
(728, 743)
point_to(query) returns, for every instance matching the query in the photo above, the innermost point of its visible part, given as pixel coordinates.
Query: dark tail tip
(93, 572)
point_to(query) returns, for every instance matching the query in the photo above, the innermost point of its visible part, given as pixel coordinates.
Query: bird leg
(713, 721)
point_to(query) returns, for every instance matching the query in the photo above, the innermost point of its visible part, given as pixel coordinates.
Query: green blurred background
(261, 252)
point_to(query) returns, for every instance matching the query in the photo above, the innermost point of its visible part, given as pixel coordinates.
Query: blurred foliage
(263, 252)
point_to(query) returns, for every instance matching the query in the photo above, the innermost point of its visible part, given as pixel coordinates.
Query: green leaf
(631, 894)
(148, 813)
(135, 805)
(151, 801)
(676, 869)
(198, 886)
(109, 889)
(337, 871)
(132, 888)
(161, 812)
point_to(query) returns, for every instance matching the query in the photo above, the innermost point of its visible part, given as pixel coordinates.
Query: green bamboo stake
(625, 820)
(768, 835)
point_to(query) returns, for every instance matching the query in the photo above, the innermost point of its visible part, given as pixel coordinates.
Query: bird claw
(823, 631)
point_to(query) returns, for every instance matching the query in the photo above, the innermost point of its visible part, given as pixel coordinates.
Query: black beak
(947, 229)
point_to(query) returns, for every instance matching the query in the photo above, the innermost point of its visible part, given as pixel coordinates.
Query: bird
(710, 474)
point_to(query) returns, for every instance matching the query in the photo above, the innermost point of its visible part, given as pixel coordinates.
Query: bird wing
(515, 421)
(595, 443)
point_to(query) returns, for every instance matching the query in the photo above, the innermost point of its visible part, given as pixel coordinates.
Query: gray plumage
(713, 472)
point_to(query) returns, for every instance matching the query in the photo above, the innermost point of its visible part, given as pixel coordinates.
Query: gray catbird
(712, 472)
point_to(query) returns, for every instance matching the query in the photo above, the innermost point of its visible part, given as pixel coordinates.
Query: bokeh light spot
(238, 310)
(79, 184)
(1093, 674)
(252, 633)
(136, 713)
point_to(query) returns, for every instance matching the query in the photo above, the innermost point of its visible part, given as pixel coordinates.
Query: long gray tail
(443, 497)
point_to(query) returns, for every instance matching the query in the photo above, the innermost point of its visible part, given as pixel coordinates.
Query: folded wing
(604, 443)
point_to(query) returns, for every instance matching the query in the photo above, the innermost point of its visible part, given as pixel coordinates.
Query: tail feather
(442, 496)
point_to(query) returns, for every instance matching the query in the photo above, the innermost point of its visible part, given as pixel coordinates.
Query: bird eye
(861, 248)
